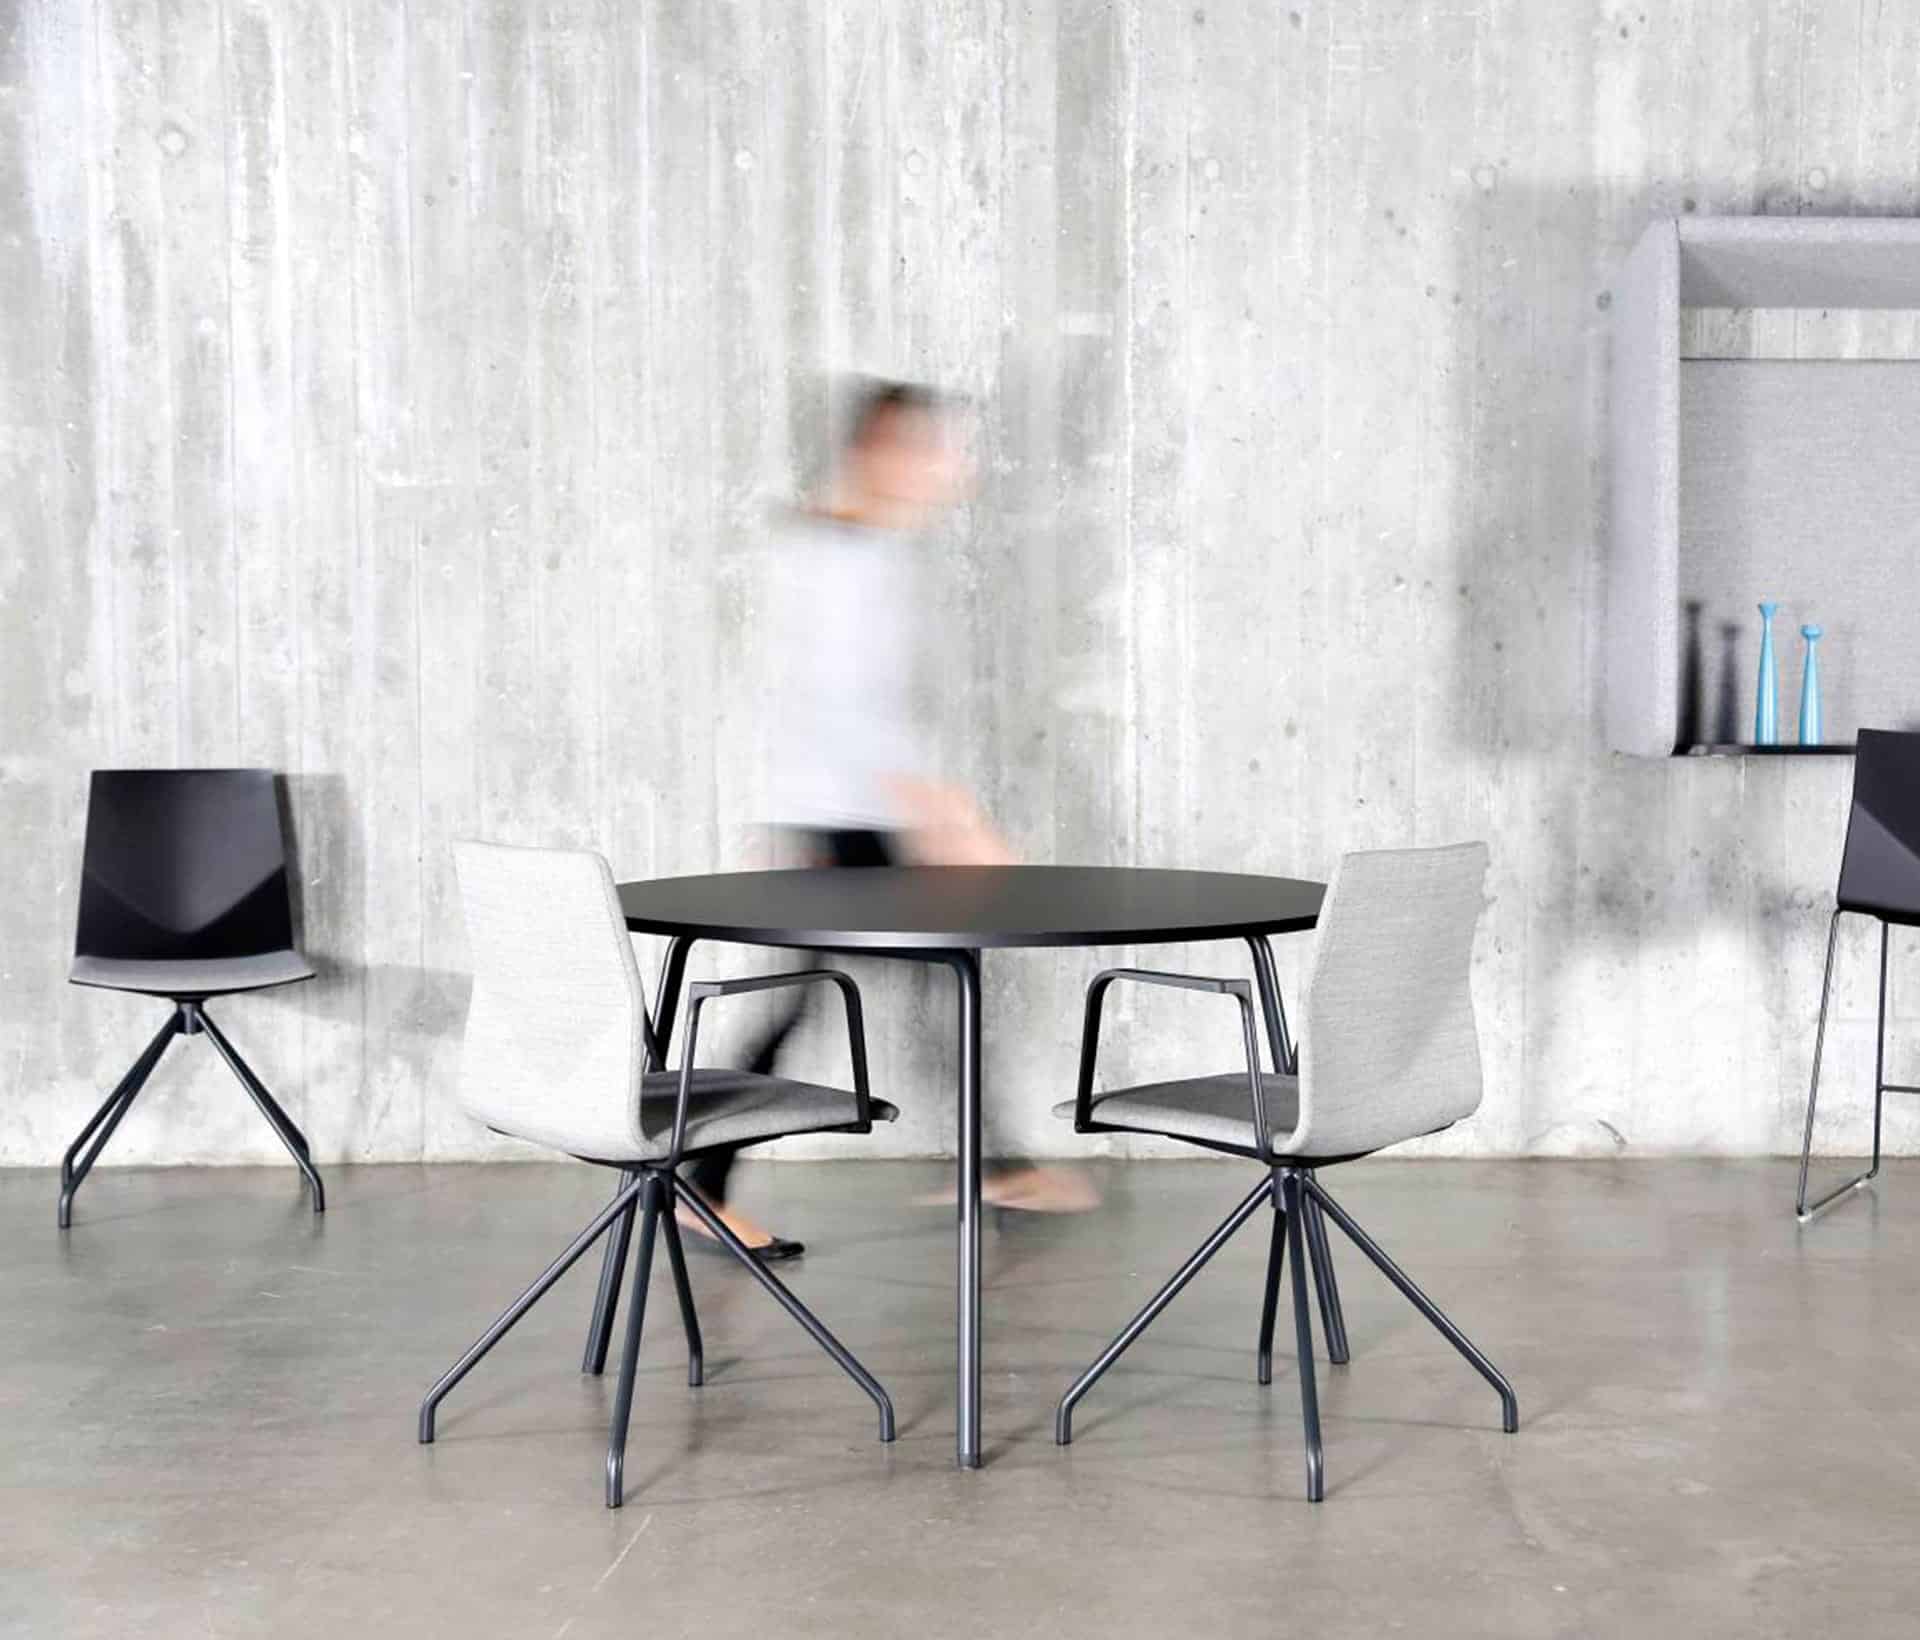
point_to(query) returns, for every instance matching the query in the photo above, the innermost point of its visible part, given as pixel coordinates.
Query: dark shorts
(856, 848)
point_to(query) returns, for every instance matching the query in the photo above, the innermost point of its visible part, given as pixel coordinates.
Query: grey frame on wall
(1732, 480)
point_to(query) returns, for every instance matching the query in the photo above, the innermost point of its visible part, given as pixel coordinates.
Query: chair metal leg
(519, 1307)
(666, 1004)
(1326, 1285)
(1270, 1304)
(683, 1290)
(1063, 1416)
(1880, 1051)
(607, 1299)
(73, 1173)
(196, 1018)
(1509, 1405)
(652, 1196)
(795, 1308)
(1293, 1197)
(1802, 1209)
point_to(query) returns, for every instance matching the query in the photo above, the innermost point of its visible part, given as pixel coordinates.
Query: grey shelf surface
(1838, 749)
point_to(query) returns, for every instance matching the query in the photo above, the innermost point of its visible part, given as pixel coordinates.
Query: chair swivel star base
(1298, 1201)
(189, 1018)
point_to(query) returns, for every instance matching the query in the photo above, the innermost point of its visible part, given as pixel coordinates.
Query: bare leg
(755, 1235)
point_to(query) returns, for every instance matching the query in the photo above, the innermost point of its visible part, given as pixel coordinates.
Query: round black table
(950, 914)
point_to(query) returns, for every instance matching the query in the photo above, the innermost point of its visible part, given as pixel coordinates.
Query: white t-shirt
(844, 625)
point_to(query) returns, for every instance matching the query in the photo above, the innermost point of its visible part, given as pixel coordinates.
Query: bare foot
(1028, 1190)
(1042, 1190)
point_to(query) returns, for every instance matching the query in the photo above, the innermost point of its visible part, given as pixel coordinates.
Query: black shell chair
(1879, 878)
(183, 895)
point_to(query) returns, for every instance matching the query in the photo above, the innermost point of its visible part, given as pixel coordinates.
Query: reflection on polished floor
(207, 1399)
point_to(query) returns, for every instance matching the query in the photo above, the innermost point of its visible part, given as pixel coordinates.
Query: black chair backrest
(1880, 867)
(188, 863)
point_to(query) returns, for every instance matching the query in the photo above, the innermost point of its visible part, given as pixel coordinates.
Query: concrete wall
(393, 394)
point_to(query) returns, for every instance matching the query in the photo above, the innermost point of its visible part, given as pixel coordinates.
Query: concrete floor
(207, 1403)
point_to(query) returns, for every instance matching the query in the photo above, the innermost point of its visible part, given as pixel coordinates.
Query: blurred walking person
(852, 784)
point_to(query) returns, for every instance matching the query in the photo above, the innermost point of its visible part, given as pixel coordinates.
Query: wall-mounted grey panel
(1644, 416)
(1800, 482)
(1799, 262)
(1841, 487)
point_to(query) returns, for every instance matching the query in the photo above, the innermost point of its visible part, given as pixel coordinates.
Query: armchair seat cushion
(729, 1107)
(1210, 1110)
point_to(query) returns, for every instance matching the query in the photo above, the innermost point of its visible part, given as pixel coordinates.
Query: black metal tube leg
(277, 1119)
(1293, 1198)
(1326, 1285)
(1272, 1009)
(650, 1210)
(683, 1290)
(1880, 1053)
(1801, 1206)
(1270, 1303)
(800, 1313)
(519, 1307)
(111, 1111)
(966, 967)
(1509, 1404)
(607, 1300)
(1063, 1416)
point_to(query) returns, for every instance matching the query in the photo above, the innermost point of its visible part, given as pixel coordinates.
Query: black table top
(921, 908)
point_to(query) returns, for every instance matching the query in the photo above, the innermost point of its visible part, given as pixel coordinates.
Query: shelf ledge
(1837, 749)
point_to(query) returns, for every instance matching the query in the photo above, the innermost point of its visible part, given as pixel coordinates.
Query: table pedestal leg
(966, 968)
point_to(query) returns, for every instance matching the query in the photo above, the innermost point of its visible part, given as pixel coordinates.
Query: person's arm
(945, 826)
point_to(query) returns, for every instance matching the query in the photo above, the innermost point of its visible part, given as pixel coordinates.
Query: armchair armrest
(1239, 989)
(701, 992)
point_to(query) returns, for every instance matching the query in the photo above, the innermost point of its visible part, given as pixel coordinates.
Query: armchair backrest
(555, 1047)
(1880, 865)
(1389, 1051)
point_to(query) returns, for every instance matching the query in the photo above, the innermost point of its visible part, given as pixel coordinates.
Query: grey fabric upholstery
(1390, 1051)
(1388, 1046)
(1215, 1110)
(737, 1107)
(203, 977)
(555, 1042)
(1777, 453)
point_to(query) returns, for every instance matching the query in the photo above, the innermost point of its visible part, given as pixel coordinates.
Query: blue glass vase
(1810, 725)
(1766, 704)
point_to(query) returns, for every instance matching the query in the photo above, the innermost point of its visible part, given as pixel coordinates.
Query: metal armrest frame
(1239, 989)
(701, 992)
